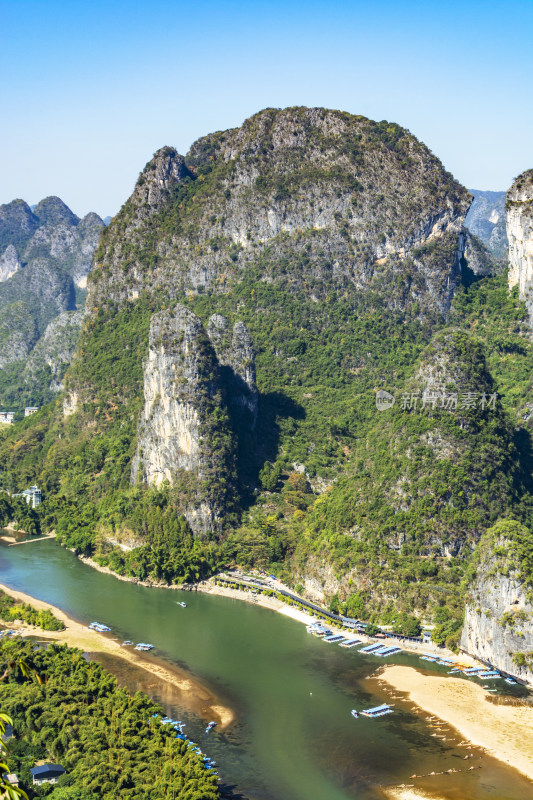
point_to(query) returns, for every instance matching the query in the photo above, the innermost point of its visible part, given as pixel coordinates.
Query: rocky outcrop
(64, 238)
(17, 224)
(236, 356)
(45, 256)
(486, 220)
(9, 263)
(498, 625)
(519, 208)
(18, 333)
(184, 434)
(479, 259)
(54, 350)
(353, 201)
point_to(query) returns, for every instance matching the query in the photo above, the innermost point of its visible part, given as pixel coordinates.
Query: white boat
(354, 713)
(378, 711)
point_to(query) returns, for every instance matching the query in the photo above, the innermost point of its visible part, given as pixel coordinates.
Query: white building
(7, 417)
(47, 773)
(32, 496)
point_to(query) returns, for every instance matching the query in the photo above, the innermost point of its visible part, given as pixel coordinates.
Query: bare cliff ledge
(184, 433)
(519, 213)
(498, 625)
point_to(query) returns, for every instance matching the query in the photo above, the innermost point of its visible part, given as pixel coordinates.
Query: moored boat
(378, 711)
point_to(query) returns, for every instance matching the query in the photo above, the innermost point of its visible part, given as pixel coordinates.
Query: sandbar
(194, 695)
(506, 732)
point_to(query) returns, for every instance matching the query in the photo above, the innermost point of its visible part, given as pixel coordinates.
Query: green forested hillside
(109, 742)
(349, 282)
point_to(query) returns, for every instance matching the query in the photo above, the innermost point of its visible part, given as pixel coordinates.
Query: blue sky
(89, 91)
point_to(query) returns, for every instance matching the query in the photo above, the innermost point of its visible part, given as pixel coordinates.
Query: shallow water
(294, 737)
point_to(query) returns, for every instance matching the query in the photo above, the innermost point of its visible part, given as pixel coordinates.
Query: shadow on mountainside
(256, 447)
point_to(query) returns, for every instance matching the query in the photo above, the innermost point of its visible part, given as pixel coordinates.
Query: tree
(406, 625)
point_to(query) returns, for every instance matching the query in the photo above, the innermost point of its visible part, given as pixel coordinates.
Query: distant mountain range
(486, 220)
(45, 256)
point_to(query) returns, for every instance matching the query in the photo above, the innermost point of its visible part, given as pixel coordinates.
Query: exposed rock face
(9, 263)
(478, 257)
(376, 200)
(486, 220)
(519, 208)
(44, 255)
(184, 434)
(55, 349)
(63, 237)
(499, 616)
(18, 333)
(17, 224)
(237, 356)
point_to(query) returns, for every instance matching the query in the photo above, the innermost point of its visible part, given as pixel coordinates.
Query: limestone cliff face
(486, 220)
(519, 208)
(9, 263)
(499, 617)
(184, 434)
(54, 350)
(236, 356)
(45, 256)
(479, 258)
(362, 202)
(63, 237)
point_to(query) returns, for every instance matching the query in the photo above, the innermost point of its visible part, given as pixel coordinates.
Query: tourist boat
(387, 651)
(127, 643)
(510, 680)
(378, 711)
(99, 626)
(210, 727)
(354, 713)
(350, 643)
(144, 646)
(371, 647)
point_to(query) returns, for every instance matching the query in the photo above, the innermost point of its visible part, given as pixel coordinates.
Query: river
(294, 737)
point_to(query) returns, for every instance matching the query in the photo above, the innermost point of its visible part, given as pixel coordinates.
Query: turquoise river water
(294, 737)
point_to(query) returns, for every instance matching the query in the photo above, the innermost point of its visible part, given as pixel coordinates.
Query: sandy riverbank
(209, 587)
(506, 732)
(193, 694)
(308, 619)
(409, 793)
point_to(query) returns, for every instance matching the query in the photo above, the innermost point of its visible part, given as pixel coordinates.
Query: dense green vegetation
(11, 610)
(508, 548)
(16, 512)
(383, 509)
(108, 741)
(342, 355)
